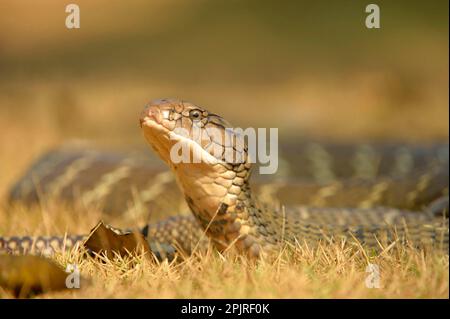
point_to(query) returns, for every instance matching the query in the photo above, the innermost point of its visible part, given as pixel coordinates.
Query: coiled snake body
(226, 209)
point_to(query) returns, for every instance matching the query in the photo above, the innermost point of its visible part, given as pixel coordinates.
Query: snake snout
(151, 112)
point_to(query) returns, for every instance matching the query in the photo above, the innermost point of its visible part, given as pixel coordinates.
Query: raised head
(214, 184)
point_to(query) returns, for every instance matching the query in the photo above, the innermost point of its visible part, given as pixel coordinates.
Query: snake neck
(229, 212)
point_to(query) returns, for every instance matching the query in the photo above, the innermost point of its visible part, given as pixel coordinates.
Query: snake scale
(396, 193)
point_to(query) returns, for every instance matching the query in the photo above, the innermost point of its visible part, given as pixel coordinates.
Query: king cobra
(227, 212)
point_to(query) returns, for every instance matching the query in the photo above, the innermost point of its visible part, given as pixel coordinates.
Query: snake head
(208, 158)
(181, 131)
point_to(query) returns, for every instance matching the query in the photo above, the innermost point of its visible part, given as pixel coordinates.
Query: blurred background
(310, 68)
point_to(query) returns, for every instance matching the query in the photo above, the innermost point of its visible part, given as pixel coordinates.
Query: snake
(226, 211)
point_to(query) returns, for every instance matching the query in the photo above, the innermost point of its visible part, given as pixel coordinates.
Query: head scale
(177, 128)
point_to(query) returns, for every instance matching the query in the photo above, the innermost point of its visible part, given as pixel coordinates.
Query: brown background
(309, 68)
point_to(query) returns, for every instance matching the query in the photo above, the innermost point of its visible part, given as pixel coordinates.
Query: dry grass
(327, 271)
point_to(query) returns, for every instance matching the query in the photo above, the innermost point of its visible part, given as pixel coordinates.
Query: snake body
(225, 207)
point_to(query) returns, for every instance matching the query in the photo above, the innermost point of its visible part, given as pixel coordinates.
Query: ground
(326, 271)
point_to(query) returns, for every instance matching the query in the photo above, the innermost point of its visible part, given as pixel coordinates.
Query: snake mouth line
(149, 122)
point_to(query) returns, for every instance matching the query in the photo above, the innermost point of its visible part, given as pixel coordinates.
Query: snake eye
(195, 115)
